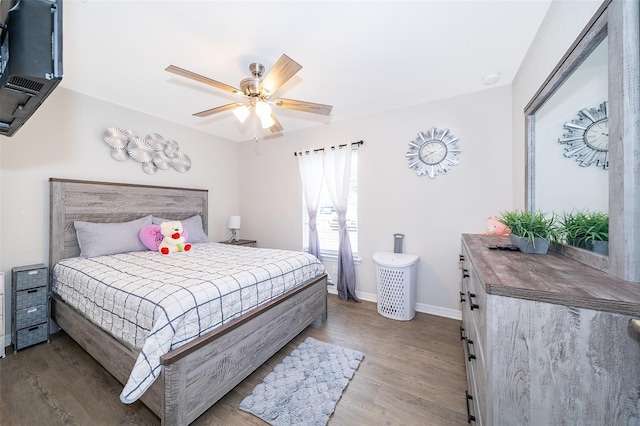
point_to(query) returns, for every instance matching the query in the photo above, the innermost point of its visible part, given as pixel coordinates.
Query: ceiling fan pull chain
(255, 119)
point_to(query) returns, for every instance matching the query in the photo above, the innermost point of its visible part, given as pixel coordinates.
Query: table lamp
(234, 226)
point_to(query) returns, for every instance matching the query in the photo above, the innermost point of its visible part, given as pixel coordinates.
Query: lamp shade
(234, 222)
(242, 113)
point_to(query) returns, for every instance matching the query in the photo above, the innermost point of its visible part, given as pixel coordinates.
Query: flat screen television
(30, 58)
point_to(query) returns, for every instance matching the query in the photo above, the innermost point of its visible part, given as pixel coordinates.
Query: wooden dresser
(546, 339)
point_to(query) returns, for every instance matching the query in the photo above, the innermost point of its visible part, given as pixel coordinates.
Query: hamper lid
(397, 260)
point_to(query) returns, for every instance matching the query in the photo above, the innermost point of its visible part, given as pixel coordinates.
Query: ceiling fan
(257, 91)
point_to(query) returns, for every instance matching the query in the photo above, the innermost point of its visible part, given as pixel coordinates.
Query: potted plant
(531, 231)
(587, 230)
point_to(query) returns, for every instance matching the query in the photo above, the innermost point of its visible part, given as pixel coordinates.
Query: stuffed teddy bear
(173, 240)
(495, 227)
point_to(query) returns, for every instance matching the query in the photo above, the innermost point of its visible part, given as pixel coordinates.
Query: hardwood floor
(413, 374)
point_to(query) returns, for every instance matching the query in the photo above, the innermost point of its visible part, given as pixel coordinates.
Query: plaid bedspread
(158, 303)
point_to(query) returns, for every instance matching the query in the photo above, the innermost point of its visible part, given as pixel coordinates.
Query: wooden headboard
(113, 202)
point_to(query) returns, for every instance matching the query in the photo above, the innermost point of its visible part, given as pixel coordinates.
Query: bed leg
(325, 312)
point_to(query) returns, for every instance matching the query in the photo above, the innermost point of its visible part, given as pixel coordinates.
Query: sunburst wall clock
(433, 152)
(587, 137)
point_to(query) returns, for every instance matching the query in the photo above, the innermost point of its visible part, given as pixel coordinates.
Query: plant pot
(600, 247)
(539, 245)
(583, 244)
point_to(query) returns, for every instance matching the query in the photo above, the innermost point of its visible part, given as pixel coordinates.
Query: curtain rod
(357, 144)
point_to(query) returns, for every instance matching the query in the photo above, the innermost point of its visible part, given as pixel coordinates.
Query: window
(327, 219)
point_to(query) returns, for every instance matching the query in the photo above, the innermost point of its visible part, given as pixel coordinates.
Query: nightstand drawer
(31, 316)
(31, 297)
(32, 335)
(27, 277)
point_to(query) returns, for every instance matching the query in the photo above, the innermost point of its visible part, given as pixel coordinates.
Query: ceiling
(362, 57)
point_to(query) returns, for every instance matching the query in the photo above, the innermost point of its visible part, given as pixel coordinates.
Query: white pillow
(100, 239)
(193, 225)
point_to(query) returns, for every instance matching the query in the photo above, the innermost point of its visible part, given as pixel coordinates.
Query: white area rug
(305, 387)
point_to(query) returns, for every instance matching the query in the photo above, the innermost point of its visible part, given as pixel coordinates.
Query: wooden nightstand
(248, 243)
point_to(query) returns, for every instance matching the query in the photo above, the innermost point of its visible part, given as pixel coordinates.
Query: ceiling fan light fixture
(267, 121)
(256, 91)
(263, 111)
(242, 113)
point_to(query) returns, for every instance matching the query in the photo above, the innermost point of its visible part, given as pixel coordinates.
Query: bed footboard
(196, 375)
(115, 357)
(196, 379)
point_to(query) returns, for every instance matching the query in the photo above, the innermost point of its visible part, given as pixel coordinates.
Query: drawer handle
(465, 273)
(470, 417)
(32, 310)
(470, 342)
(32, 291)
(33, 328)
(34, 272)
(472, 305)
(634, 325)
(462, 333)
(461, 258)
(462, 299)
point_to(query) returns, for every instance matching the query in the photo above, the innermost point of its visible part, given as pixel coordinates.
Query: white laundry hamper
(396, 274)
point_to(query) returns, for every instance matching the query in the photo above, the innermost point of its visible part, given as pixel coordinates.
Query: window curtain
(337, 174)
(311, 170)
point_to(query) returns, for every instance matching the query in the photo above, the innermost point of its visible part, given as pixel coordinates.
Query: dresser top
(550, 278)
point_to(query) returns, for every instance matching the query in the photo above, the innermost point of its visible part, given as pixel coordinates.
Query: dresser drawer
(465, 274)
(27, 277)
(477, 402)
(477, 309)
(31, 297)
(31, 316)
(32, 335)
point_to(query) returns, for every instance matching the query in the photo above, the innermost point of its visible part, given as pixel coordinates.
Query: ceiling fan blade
(216, 110)
(281, 72)
(202, 79)
(277, 127)
(303, 106)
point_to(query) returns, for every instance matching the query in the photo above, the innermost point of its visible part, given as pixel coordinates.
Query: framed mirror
(583, 137)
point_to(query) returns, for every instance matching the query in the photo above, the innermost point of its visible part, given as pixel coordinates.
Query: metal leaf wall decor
(154, 152)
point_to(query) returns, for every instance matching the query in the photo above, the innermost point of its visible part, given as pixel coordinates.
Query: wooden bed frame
(196, 375)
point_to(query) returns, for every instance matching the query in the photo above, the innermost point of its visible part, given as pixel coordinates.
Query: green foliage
(530, 225)
(584, 227)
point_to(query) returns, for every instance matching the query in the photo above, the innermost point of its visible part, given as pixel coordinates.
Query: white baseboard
(439, 311)
(420, 307)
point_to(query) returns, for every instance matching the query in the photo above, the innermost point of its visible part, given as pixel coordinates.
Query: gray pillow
(192, 225)
(100, 239)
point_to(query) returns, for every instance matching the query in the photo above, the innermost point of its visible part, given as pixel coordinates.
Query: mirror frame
(616, 20)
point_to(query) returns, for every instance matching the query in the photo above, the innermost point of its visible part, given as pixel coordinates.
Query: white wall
(561, 26)
(63, 139)
(432, 213)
